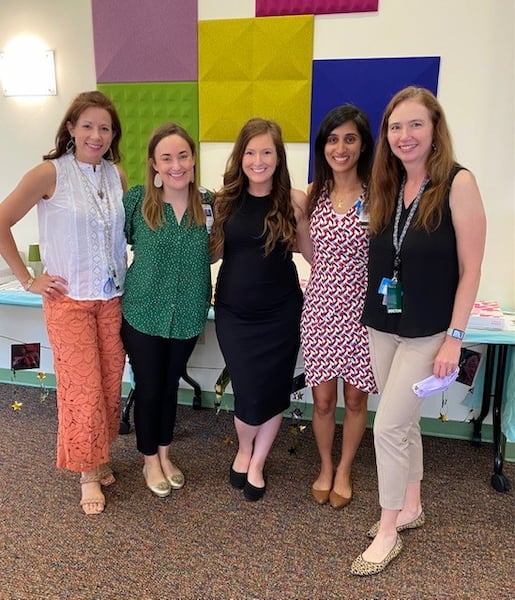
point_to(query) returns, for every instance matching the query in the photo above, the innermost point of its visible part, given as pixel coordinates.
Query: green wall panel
(144, 106)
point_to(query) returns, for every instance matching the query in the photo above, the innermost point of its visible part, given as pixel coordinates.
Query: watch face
(456, 333)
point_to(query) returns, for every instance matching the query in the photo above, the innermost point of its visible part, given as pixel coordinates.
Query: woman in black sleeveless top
(427, 227)
(258, 300)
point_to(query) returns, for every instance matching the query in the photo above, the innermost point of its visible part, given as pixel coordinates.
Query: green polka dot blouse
(168, 284)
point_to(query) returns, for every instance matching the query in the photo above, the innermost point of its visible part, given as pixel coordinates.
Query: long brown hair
(280, 221)
(322, 172)
(80, 103)
(152, 207)
(388, 171)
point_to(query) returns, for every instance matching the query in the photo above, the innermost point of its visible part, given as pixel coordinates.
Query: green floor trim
(28, 377)
(433, 427)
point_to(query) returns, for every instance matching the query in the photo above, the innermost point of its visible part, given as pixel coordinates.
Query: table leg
(125, 422)
(487, 395)
(197, 392)
(499, 481)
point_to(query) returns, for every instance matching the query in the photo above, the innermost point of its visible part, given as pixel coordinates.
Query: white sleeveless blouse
(75, 240)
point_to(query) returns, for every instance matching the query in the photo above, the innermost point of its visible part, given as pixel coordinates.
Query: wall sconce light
(27, 71)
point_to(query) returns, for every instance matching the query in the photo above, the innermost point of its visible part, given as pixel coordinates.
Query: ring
(48, 290)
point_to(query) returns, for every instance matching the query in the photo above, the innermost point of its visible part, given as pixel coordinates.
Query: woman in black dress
(258, 301)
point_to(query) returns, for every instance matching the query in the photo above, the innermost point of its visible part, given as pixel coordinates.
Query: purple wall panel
(269, 8)
(368, 83)
(145, 41)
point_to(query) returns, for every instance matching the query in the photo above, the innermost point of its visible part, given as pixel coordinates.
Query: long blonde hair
(153, 206)
(280, 221)
(388, 171)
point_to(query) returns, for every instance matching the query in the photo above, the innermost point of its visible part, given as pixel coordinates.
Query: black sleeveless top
(248, 280)
(429, 276)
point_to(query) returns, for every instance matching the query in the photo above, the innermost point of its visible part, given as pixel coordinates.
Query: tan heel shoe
(106, 475)
(321, 496)
(97, 498)
(337, 501)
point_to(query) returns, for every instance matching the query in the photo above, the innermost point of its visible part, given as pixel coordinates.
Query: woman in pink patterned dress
(334, 343)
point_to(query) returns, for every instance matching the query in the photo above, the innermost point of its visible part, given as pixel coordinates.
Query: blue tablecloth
(22, 298)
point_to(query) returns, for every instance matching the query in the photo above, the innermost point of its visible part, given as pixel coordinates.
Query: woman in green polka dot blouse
(167, 293)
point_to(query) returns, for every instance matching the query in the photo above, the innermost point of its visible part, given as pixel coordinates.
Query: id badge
(362, 214)
(394, 297)
(208, 211)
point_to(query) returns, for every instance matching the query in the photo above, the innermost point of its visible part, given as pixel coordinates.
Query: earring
(70, 145)
(433, 146)
(158, 182)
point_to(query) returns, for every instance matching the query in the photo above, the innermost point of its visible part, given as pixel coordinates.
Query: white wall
(474, 38)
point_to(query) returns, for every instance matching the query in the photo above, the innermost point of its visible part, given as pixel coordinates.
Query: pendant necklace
(339, 203)
(103, 210)
(98, 186)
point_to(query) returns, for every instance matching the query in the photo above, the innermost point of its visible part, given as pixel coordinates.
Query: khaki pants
(398, 363)
(89, 360)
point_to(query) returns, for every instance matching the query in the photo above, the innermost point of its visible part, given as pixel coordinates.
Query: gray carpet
(205, 542)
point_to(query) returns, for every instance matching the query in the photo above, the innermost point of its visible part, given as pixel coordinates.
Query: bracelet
(28, 284)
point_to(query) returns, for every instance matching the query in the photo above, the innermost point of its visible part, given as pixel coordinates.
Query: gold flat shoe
(176, 481)
(337, 501)
(160, 489)
(364, 568)
(418, 522)
(320, 496)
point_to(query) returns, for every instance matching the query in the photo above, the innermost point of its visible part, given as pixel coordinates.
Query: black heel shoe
(253, 493)
(237, 480)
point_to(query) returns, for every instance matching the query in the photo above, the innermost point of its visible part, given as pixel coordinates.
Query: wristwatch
(456, 333)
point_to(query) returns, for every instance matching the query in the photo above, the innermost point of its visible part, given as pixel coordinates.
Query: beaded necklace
(104, 213)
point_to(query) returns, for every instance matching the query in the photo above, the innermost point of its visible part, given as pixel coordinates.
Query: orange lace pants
(89, 359)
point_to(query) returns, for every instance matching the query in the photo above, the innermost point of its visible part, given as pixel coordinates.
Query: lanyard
(398, 239)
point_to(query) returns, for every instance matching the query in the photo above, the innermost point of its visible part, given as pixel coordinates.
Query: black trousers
(157, 364)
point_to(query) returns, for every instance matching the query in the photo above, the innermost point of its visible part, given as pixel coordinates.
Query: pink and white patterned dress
(334, 342)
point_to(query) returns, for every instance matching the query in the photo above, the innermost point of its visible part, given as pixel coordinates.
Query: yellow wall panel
(255, 67)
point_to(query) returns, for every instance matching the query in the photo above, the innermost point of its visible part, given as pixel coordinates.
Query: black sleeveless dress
(258, 304)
